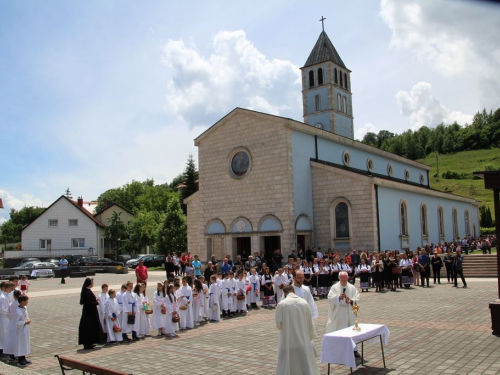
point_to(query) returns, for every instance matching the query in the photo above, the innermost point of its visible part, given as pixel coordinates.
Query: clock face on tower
(240, 163)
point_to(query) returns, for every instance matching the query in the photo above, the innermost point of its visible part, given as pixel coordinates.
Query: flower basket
(240, 297)
(116, 328)
(183, 307)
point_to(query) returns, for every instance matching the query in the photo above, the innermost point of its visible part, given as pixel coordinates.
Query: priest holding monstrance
(342, 296)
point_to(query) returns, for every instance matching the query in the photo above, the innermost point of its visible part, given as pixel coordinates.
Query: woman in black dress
(90, 330)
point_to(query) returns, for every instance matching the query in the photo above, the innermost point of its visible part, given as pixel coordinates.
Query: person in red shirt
(184, 260)
(141, 272)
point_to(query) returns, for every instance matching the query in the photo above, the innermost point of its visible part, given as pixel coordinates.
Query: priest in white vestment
(341, 297)
(294, 321)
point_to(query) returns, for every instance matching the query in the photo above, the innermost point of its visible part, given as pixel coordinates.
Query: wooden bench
(68, 364)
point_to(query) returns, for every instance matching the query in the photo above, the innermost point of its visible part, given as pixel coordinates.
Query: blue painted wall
(343, 126)
(322, 91)
(389, 201)
(322, 118)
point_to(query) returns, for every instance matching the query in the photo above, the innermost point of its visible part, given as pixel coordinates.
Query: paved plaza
(440, 330)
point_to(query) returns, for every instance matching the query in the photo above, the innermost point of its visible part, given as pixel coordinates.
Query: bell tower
(326, 89)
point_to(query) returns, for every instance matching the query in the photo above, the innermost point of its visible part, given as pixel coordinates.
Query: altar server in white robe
(294, 321)
(170, 303)
(241, 306)
(119, 298)
(213, 301)
(198, 299)
(253, 296)
(4, 313)
(184, 298)
(112, 316)
(280, 281)
(7, 350)
(21, 335)
(205, 297)
(129, 308)
(141, 325)
(341, 297)
(159, 319)
(103, 297)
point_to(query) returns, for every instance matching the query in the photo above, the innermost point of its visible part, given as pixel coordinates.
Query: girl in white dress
(159, 319)
(214, 306)
(20, 334)
(170, 303)
(253, 296)
(112, 316)
(103, 297)
(141, 325)
(198, 298)
(184, 298)
(205, 297)
(241, 306)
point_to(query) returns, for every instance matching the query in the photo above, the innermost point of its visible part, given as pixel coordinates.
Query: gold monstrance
(355, 309)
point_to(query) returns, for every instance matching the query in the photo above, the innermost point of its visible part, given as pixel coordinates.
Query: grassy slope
(464, 162)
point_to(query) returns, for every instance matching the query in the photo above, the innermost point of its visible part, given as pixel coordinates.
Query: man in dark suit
(458, 268)
(355, 260)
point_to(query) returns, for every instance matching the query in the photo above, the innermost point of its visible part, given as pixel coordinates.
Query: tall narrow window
(339, 101)
(344, 104)
(311, 78)
(317, 103)
(335, 76)
(341, 220)
(345, 80)
(320, 76)
(423, 218)
(404, 219)
(454, 215)
(467, 223)
(441, 221)
(341, 82)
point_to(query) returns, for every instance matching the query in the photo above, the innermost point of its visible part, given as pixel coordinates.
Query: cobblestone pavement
(440, 330)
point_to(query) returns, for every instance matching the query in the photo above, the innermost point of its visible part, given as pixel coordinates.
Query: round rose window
(240, 163)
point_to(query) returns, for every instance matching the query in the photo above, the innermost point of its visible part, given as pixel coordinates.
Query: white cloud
(425, 110)
(10, 201)
(458, 39)
(236, 74)
(368, 127)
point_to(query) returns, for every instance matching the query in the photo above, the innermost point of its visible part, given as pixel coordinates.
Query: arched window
(335, 75)
(454, 216)
(345, 80)
(403, 214)
(344, 104)
(341, 220)
(311, 78)
(317, 103)
(320, 76)
(341, 81)
(441, 221)
(339, 101)
(423, 220)
(467, 223)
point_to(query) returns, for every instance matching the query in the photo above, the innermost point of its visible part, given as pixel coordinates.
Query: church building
(268, 182)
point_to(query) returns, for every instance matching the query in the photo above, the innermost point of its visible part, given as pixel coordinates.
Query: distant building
(268, 182)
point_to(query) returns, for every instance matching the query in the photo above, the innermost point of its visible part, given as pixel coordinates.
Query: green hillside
(464, 162)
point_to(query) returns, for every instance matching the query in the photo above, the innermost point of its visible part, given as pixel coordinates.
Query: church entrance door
(243, 247)
(271, 243)
(303, 241)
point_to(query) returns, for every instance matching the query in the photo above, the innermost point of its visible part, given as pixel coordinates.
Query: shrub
(486, 231)
(455, 175)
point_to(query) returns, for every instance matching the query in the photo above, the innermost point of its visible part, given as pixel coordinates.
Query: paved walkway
(440, 330)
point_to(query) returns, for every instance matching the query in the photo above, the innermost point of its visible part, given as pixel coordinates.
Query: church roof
(324, 51)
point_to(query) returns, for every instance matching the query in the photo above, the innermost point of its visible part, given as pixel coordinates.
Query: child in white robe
(20, 335)
(246, 279)
(141, 325)
(103, 297)
(6, 288)
(280, 281)
(198, 297)
(241, 306)
(170, 303)
(8, 348)
(129, 308)
(227, 295)
(214, 306)
(253, 296)
(112, 316)
(185, 298)
(177, 286)
(159, 319)
(232, 282)
(205, 310)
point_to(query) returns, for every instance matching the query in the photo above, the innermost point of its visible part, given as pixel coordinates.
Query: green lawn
(464, 162)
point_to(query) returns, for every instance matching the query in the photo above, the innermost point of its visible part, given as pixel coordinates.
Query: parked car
(135, 259)
(86, 261)
(36, 265)
(124, 258)
(74, 260)
(96, 261)
(52, 260)
(26, 260)
(149, 261)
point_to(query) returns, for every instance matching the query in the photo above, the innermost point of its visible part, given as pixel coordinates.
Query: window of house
(344, 104)
(454, 215)
(320, 76)
(404, 219)
(346, 158)
(45, 244)
(53, 222)
(423, 219)
(339, 101)
(441, 221)
(335, 76)
(73, 222)
(317, 103)
(77, 242)
(341, 220)
(311, 78)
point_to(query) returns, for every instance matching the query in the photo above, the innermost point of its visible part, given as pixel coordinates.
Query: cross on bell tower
(322, 22)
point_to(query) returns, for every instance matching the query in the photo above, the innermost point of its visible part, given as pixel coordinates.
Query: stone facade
(330, 184)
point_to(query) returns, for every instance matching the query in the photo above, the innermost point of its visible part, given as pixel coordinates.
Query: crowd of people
(14, 322)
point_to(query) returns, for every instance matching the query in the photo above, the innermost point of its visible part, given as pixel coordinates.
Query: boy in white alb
(205, 296)
(129, 309)
(184, 298)
(241, 305)
(280, 281)
(103, 297)
(213, 302)
(6, 288)
(112, 316)
(21, 335)
(253, 296)
(227, 295)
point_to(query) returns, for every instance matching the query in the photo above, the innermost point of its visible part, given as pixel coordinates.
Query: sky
(96, 94)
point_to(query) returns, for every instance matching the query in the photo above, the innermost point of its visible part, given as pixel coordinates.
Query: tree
(370, 139)
(143, 230)
(116, 232)
(12, 228)
(172, 235)
(190, 181)
(485, 219)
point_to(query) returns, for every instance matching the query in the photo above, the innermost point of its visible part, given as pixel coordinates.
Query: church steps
(480, 265)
